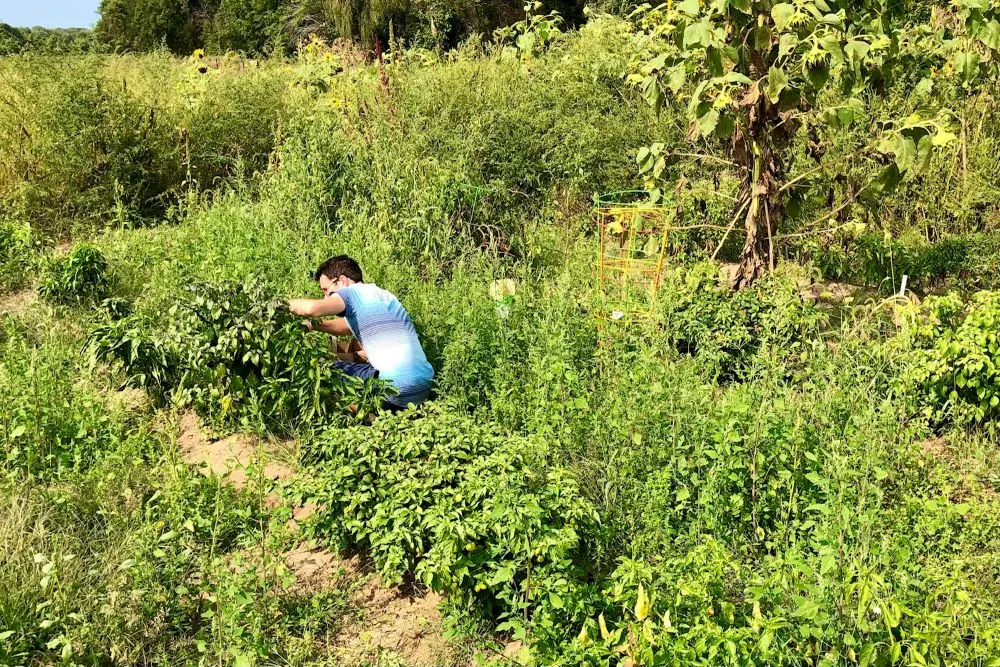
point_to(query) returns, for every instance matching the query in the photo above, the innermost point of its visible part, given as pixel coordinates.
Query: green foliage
(766, 493)
(11, 40)
(125, 142)
(87, 152)
(146, 25)
(531, 36)
(726, 332)
(150, 563)
(18, 255)
(678, 611)
(236, 355)
(257, 27)
(720, 59)
(80, 277)
(956, 365)
(750, 74)
(50, 41)
(50, 423)
(458, 506)
(248, 26)
(110, 549)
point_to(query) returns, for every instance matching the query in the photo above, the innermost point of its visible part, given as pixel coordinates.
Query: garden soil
(17, 302)
(388, 619)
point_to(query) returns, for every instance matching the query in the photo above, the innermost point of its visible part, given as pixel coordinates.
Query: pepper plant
(751, 73)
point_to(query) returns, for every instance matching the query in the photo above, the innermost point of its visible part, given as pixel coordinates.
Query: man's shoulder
(368, 292)
(357, 289)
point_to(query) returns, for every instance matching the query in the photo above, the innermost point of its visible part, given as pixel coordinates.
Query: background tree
(750, 72)
(441, 23)
(248, 26)
(11, 40)
(144, 25)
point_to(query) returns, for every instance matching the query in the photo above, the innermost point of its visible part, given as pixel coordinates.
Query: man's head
(336, 273)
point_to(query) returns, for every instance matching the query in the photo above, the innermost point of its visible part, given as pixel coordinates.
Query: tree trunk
(759, 151)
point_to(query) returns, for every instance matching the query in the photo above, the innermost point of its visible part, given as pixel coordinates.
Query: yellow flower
(198, 54)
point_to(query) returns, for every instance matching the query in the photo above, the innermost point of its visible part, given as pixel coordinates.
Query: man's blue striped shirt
(385, 330)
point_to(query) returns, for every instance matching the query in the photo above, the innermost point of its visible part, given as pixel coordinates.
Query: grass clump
(18, 255)
(79, 277)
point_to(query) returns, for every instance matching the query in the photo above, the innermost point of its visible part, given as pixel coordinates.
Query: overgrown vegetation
(708, 477)
(236, 357)
(64, 41)
(261, 27)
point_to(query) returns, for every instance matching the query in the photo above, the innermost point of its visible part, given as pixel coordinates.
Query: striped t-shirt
(385, 330)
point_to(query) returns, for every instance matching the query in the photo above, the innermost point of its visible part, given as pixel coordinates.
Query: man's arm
(336, 327)
(332, 305)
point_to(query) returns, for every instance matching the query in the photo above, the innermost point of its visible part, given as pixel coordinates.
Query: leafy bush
(81, 276)
(957, 365)
(237, 356)
(725, 331)
(706, 608)
(111, 550)
(247, 26)
(46, 40)
(145, 25)
(121, 140)
(143, 561)
(230, 119)
(456, 505)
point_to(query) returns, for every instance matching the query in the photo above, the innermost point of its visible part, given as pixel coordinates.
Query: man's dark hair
(341, 265)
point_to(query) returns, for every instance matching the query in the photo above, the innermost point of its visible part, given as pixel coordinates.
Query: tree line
(48, 40)
(264, 27)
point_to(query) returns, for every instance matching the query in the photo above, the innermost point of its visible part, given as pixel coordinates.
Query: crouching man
(378, 321)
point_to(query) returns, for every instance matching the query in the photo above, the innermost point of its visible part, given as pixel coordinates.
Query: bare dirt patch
(407, 624)
(317, 569)
(811, 291)
(130, 400)
(17, 302)
(936, 447)
(832, 292)
(234, 457)
(392, 620)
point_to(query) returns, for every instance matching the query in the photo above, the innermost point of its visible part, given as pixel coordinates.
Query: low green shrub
(122, 140)
(229, 123)
(238, 357)
(455, 504)
(146, 561)
(957, 364)
(79, 277)
(729, 333)
(85, 155)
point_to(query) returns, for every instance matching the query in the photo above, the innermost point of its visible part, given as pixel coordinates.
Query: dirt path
(388, 621)
(17, 302)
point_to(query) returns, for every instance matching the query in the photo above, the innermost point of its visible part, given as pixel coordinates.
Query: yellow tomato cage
(633, 248)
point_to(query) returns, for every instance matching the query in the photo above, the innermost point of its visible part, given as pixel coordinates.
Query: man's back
(384, 328)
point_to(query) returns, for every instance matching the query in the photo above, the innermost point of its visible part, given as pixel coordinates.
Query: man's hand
(308, 325)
